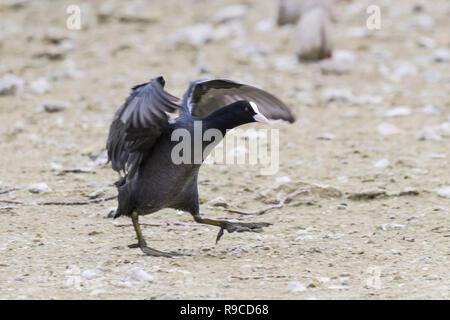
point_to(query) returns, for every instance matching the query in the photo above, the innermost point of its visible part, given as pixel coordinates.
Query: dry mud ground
(321, 245)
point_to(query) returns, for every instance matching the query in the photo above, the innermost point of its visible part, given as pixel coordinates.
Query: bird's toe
(156, 253)
(241, 227)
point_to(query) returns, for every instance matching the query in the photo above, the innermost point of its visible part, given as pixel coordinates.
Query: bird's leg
(231, 226)
(143, 245)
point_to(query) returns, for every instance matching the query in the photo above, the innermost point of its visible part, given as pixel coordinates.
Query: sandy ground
(334, 245)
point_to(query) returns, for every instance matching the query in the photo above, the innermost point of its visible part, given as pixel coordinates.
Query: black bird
(140, 146)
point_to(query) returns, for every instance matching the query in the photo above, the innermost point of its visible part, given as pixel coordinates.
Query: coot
(140, 145)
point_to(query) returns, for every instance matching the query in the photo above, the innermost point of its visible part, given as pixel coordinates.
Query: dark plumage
(139, 145)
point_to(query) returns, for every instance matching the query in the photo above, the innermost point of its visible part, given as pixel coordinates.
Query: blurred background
(372, 136)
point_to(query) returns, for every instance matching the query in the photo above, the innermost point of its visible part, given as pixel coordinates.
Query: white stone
(41, 187)
(138, 274)
(383, 163)
(398, 111)
(367, 99)
(346, 56)
(10, 85)
(97, 292)
(325, 136)
(387, 129)
(295, 286)
(230, 13)
(431, 76)
(391, 226)
(323, 279)
(285, 63)
(443, 192)
(217, 200)
(426, 42)
(405, 69)
(56, 166)
(339, 95)
(284, 179)
(429, 133)
(344, 280)
(357, 32)
(89, 274)
(70, 69)
(423, 21)
(430, 109)
(441, 55)
(342, 61)
(195, 35)
(445, 128)
(253, 50)
(265, 25)
(39, 86)
(19, 125)
(438, 155)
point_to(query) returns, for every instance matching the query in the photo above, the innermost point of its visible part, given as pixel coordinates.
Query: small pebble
(39, 188)
(441, 55)
(405, 69)
(138, 274)
(398, 111)
(430, 109)
(10, 85)
(284, 179)
(383, 163)
(89, 274)
(323, 279)
(429, 134)
(426, 42)
(443, 192)
(295, 286)
(195, 35)
(19, 278)
(97, 292)
(344, 280)
(338, 95)
(96, 194)
(230, 13)
(39, 86)
(438, 156)
(387, 129)
(342, 61)
(55, 106)
(325, 136)
(391, 226)
(423, 21)
(70, 69)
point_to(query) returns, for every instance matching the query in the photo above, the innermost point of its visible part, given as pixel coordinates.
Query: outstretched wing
(206, 96)
(138, 124)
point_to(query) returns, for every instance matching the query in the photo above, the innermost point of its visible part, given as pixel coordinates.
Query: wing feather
(206, 96)
(138, 123)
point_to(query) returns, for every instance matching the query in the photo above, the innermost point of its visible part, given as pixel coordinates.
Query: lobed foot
(240, 227)
(156, 253)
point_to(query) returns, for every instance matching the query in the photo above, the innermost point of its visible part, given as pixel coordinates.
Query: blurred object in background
(313, 35)
(289, 11)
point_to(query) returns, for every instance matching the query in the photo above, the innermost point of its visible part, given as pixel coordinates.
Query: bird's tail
(120, 182)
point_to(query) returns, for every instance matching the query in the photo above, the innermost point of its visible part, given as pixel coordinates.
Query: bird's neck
(223, 119)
